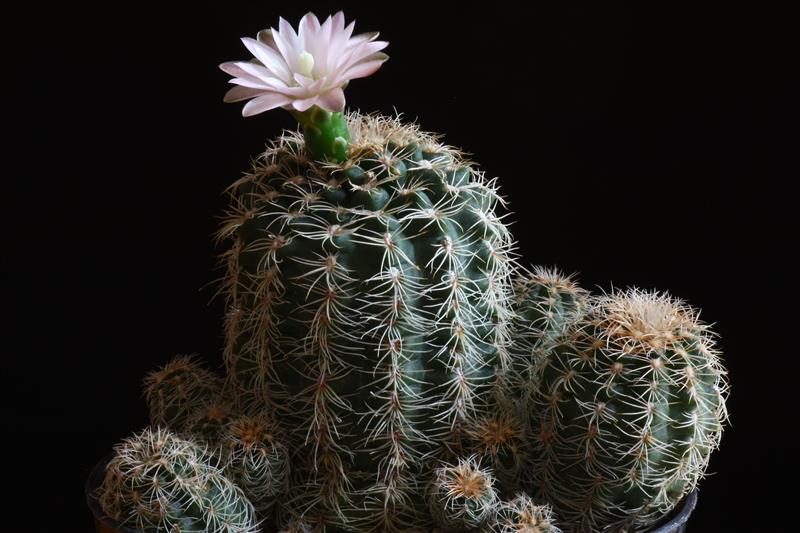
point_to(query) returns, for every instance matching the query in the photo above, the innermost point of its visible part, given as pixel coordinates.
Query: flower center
(306, 64)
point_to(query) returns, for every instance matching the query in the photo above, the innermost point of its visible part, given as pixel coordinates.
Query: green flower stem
(327, 138)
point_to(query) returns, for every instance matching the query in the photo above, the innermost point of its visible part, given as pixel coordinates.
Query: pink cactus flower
(299, 70)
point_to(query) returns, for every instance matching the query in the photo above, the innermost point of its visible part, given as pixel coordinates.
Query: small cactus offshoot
(627, 412)
(522, 515)
(159, 482)
(207, 423)
(178, 389)
(256, 460)
(462, 497)
(500, 439)
(547, 303)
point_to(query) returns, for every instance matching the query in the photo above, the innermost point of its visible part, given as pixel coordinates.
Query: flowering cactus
(371, 322)
(368, 304)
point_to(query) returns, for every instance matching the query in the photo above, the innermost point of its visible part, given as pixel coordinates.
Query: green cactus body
(179, 389)
(628, 409)
(462, 497)
(368, 307)
(256, 461)
(159, 482)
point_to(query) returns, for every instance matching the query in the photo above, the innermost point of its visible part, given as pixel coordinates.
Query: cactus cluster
(390, 367)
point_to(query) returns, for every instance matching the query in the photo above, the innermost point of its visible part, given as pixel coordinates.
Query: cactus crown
(497, 433)
(462, 496)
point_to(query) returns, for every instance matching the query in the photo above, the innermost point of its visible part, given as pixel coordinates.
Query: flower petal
(332, 100)
(239, 93)
(338, 42)
(229, 67)
(362, 70)
(359, 53)
(251, 83)
(304, 104)
(263, 103)
(287, 44)
(265, 36)
(269, 57)
(261, 73)
(287, 33)
(308, 29)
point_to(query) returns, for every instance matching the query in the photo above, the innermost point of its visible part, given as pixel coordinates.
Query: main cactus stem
(326, 134)
(367, 307)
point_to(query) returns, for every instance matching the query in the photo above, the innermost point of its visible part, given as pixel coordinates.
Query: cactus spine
(159, 482)
(462, 497)
(628, 409)
(367, 304)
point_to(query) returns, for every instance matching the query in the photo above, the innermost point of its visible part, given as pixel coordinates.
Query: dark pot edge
(675, 523)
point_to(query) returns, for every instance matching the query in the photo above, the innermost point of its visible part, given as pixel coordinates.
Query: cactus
(207, 422)
(462, 497)
(256, 461)
(159, 482)
(368, 306)
(522, 515)
(177, 390)
(546, 304)
(629, 408)
(500, 439)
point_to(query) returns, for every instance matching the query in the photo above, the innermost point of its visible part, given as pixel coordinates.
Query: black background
(651, 148)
